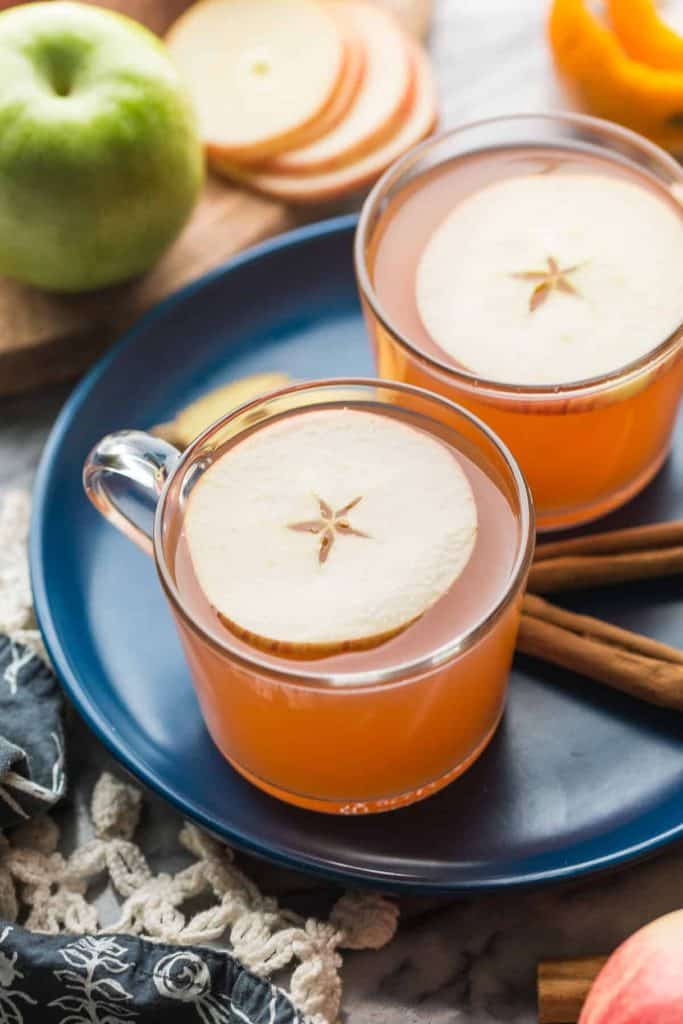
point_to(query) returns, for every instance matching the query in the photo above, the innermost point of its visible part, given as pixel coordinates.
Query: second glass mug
(584, 448)
(347, 742)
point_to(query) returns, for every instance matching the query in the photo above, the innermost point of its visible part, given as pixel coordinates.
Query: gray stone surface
(473, 961)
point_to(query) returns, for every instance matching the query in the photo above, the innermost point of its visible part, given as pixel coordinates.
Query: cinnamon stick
(634, 538)
(635, 664)
(573, 572)
(563, 987)
(641, 552)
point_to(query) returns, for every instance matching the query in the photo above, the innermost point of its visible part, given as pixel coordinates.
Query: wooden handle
(563, 986)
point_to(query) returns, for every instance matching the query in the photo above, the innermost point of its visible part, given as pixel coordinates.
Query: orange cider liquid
(583, 454)
(351, 749)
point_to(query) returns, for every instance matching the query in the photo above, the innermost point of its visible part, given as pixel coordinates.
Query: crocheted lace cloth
(49, 891)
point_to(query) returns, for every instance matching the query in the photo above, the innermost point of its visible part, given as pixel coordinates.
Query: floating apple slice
(383, 95)
(312, 188)
(260, 72)
(195, 418)
(329, 531)
(556, 278)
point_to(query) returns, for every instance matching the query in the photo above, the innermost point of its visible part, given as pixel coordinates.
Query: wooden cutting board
(45, 338)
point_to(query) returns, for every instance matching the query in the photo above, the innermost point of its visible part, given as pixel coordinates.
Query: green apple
(100, 162)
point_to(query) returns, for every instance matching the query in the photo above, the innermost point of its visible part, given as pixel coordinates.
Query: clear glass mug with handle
(341, 742)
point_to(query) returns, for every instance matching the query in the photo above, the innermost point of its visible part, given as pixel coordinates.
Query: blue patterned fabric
(98, 979)
(118, 979)
(32, 775)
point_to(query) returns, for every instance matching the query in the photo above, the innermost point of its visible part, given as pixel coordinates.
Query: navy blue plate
(578, 778)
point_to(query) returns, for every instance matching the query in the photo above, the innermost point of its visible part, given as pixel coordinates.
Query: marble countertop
(469, 961)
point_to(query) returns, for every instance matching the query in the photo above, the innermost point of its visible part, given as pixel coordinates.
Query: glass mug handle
(138, 461)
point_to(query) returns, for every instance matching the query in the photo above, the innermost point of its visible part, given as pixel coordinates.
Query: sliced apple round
(330, 531)
(553, 278)
(419, 121)
(414, 15)
(347, 90)
(383, 95)
(260, 72)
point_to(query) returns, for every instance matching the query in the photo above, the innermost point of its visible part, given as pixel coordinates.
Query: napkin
(32, 776)
(116, 979)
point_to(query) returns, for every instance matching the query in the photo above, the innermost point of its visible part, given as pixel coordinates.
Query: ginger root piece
(195, 418)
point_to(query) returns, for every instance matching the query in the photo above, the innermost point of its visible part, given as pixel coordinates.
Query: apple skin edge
(310, 651)
(419, 121)
(642, 982)
(208, 44)
(362, 129)
(100, 161)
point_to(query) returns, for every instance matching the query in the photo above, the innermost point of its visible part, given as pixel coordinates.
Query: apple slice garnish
(382, 97)
(260, 72)
(329, 531)
(418, 122)
(553, 278)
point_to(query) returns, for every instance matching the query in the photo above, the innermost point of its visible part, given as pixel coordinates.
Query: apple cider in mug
(346, 577)
(537, 282)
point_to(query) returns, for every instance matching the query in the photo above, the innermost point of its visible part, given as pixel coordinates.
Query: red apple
(642, 982)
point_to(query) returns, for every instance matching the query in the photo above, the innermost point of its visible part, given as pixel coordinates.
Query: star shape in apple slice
(330, 524)
(264, 517)
(555, 278)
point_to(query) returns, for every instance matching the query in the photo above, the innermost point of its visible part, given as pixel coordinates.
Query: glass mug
(584, 448)
(342, 742)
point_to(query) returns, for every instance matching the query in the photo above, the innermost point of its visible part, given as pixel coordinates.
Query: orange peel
(609, 81)
(645, 35)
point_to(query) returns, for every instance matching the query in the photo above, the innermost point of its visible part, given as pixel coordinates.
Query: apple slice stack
(303, 100)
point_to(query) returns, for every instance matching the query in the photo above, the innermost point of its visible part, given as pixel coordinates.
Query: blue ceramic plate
(578, 779)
